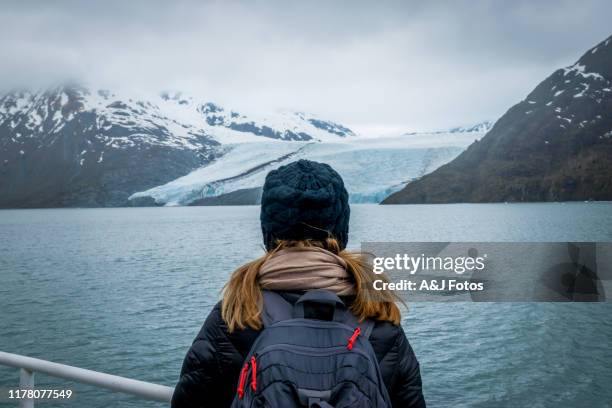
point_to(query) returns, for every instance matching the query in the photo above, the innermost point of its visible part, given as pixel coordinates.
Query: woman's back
(211, 369)
(305, 221)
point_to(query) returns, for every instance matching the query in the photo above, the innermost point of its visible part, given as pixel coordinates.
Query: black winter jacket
(212, 365)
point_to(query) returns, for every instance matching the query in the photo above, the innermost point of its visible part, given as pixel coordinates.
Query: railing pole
(26, 382)
(29, 366)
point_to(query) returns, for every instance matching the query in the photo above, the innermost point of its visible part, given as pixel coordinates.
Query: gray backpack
(297, 361)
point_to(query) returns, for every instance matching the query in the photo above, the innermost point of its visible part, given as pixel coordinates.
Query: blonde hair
(243, 300)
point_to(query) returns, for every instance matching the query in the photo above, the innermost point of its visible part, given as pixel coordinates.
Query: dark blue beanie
(304, 200)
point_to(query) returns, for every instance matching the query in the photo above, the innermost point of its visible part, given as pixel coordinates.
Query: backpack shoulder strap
(366, 327)
(275, 308)
(351, 320)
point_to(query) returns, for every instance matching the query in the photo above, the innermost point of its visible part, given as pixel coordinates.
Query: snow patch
(579, 69)
(581, 93)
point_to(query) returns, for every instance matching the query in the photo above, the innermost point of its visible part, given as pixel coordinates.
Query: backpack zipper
(254, 373)
(244, 373)
(243, 377)
(353, 338)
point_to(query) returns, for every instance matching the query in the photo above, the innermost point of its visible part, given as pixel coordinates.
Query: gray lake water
(125, 291)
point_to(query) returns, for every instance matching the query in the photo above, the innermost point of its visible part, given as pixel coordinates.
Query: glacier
(372, 168)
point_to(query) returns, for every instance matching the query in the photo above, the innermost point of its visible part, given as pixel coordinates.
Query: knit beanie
(304, 200)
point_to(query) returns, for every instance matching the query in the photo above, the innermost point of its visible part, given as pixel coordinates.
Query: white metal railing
(28, 366)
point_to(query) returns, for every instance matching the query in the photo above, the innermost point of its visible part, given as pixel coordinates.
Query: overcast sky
(376, 66)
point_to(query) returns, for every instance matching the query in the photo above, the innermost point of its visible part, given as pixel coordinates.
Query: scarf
(298, 269)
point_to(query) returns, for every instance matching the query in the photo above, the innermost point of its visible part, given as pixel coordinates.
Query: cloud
(373, 65)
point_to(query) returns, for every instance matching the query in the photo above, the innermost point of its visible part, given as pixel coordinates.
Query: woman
(304, 220)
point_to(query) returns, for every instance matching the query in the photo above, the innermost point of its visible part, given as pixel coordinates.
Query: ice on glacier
(372, 168)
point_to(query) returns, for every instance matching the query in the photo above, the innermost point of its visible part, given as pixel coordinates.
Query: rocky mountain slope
(556, 145)
(74, 146)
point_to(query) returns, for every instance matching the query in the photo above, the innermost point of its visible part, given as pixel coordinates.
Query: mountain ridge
(555, 145)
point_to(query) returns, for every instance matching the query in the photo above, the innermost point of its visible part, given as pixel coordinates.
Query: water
(125, 291)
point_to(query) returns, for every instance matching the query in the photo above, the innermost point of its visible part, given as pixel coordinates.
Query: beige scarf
(297, 269)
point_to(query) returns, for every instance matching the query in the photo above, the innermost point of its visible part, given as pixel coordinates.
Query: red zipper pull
(254, 373)
(353, 338)
(243, 377)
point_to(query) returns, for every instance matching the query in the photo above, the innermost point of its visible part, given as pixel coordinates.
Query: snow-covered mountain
(76, 146)
(230, 126)
(481, 127)
(372, 168)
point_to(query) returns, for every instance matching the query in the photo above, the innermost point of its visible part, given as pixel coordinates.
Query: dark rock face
(266, 131)
(60, 149)
(331, 127)
(556, 145)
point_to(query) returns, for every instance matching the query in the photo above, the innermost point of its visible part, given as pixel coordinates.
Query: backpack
(298, 361)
